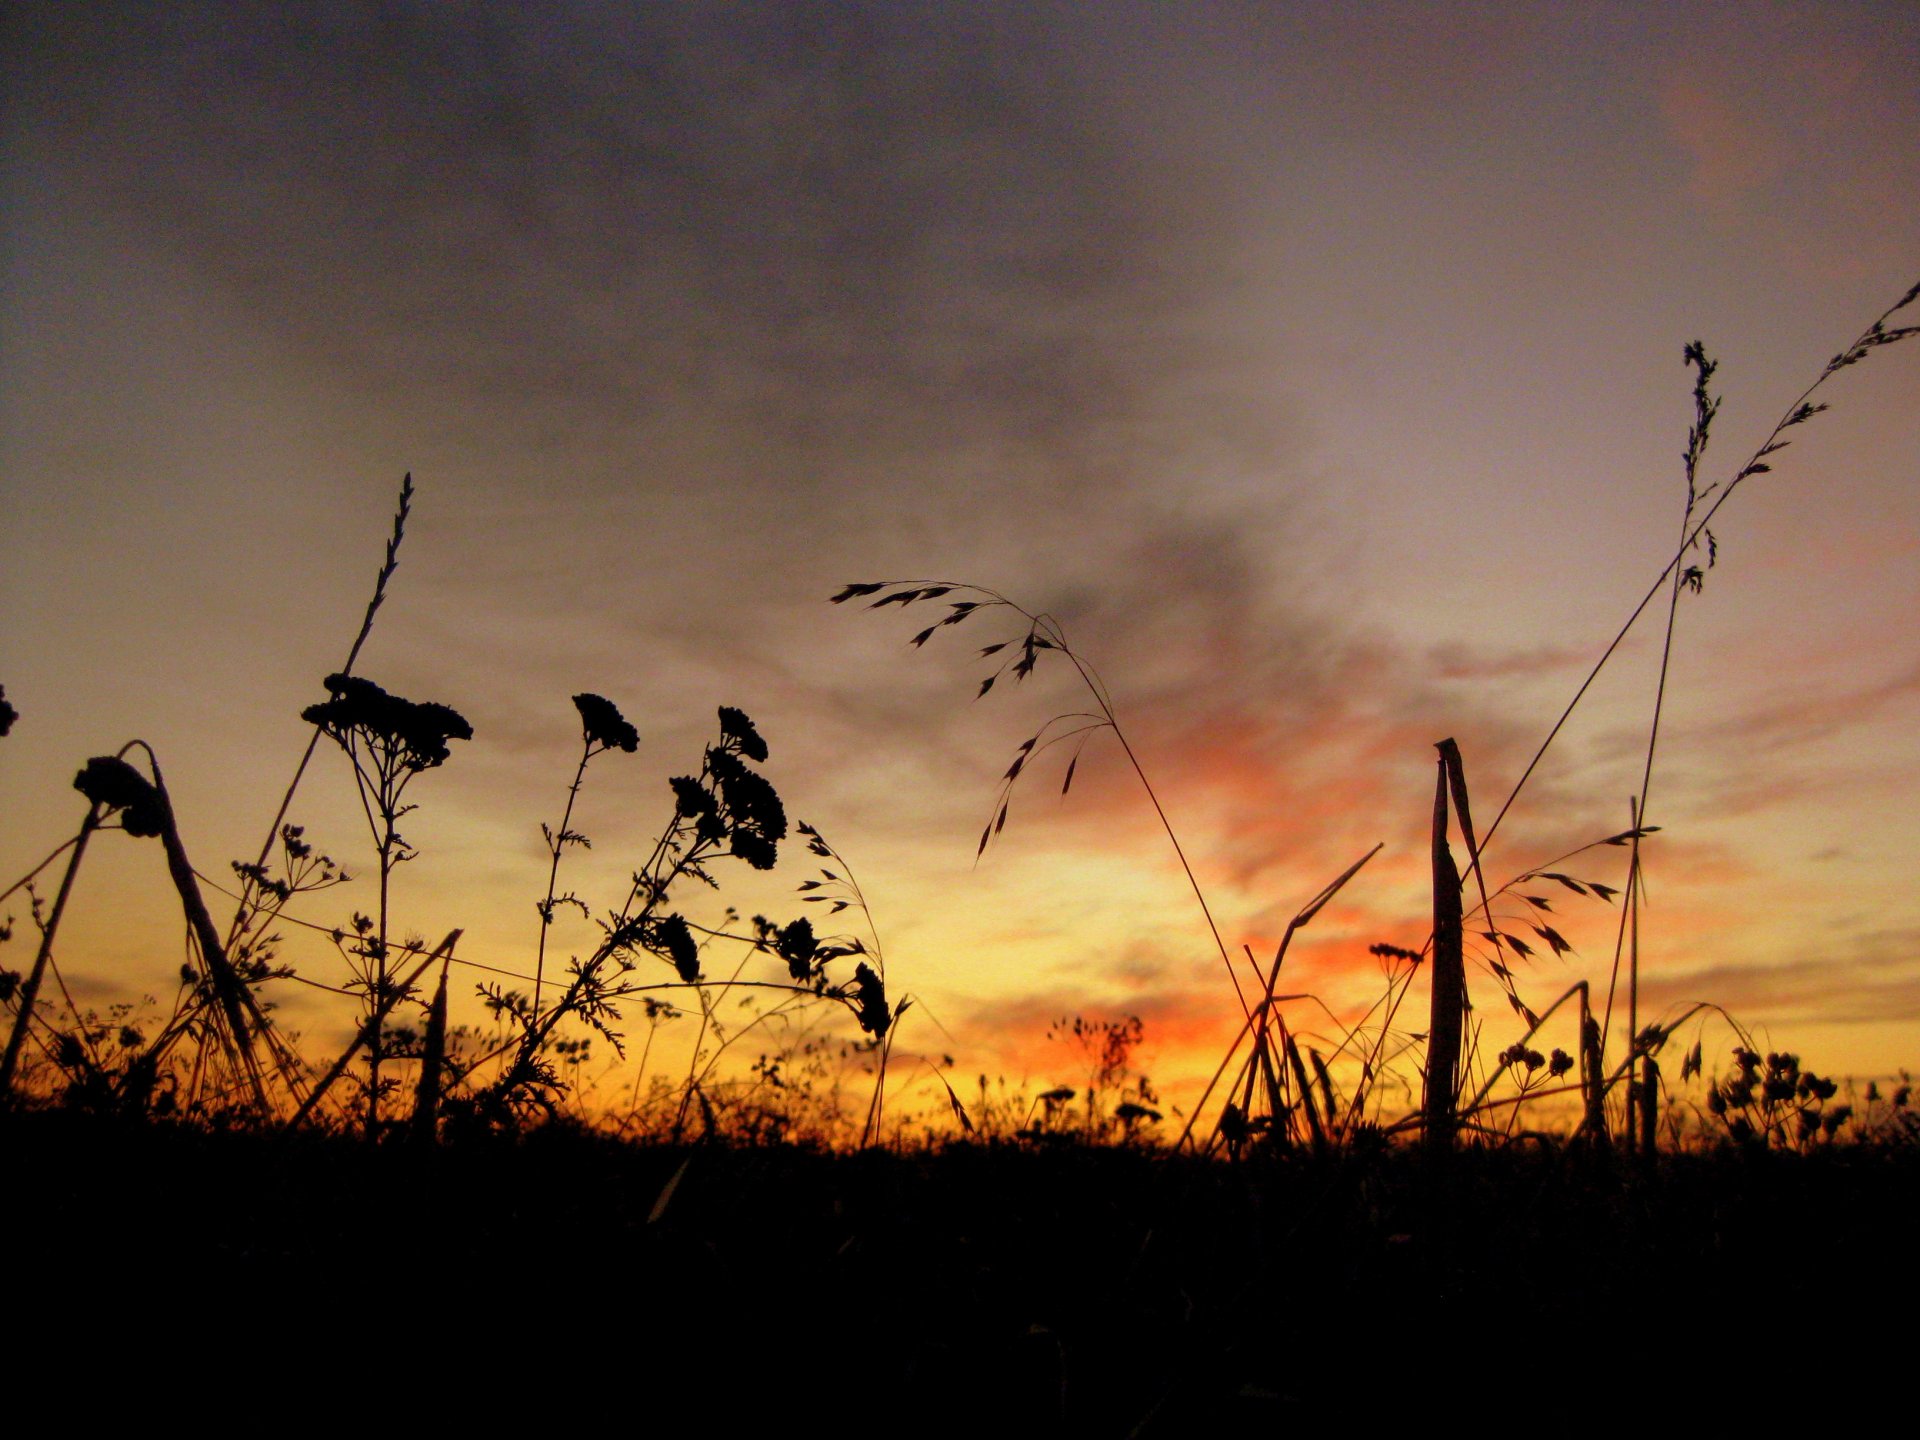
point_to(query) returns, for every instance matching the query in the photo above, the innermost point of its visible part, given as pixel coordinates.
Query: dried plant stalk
(226, 984)
(433, 1054)
(1449, 978)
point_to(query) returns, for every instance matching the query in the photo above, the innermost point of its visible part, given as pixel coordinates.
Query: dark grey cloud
(799, 288)
(712, 309)
(815, 220)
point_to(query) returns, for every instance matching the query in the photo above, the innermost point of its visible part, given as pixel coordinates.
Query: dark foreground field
(976, 1291)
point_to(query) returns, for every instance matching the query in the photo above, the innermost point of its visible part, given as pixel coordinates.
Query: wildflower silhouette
(728, 804)
(795, 944)
(112, 784)
(870, 1001)
(389, 740)
(737, 727)
(605, 725)
(602, 728)
(401, 737)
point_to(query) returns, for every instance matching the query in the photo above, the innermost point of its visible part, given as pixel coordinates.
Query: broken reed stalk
(433, 1054)
(227, 988)
(1592, 1081)
(1449, 979)
(1649, 1104)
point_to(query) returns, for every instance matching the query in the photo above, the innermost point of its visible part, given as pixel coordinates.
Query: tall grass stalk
(1452, 1047)
(1701, 505)
(388, 565)
(1802, 410)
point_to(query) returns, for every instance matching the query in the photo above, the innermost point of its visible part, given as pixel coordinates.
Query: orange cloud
(1867, 979)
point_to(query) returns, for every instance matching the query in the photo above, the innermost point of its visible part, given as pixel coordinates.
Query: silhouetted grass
(1272, 1101)
(219, 1057)
(187, 1199)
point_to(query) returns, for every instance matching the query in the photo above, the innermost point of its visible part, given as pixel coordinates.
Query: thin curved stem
(1796, 414)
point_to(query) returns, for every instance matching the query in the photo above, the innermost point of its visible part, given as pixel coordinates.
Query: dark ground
(979, 1291)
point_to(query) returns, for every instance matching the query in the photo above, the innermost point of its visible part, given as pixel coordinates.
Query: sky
(1319, 370)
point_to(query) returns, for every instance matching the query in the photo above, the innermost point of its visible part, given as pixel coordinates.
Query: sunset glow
(1319, 374)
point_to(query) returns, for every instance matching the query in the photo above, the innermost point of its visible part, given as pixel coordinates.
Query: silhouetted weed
(1276, 1097)
(389, 741)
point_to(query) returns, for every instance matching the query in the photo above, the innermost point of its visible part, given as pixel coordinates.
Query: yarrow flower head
(604, 724)
(754, 819)
(416, 733)
(870, 1001)
(735, 725)
(691, 797)
(673, 940)
(795, 944)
